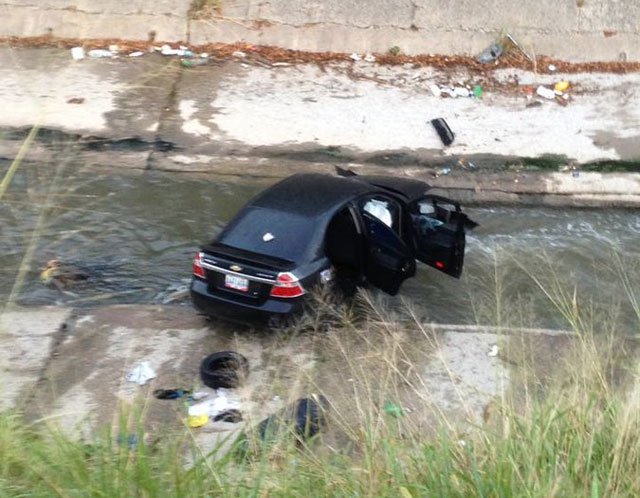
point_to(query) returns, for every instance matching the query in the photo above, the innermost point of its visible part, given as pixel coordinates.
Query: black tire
(309, 416)
(224, 369)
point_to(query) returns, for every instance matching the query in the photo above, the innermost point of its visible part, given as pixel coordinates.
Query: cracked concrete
(596, 30)
(237, 118)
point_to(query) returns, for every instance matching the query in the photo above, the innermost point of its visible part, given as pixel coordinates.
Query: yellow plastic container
(562, 86)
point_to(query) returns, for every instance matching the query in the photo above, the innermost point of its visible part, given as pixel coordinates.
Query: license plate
(237, 283)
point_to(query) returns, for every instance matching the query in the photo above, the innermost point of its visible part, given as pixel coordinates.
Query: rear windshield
(274, 233)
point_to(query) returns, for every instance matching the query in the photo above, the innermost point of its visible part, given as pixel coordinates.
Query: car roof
(311, 194)
(407, 187)
(297, 210)
(315, 194)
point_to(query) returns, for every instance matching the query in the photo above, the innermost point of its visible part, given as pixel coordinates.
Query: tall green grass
(574, 432)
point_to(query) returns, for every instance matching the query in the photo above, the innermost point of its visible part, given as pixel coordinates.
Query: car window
(384, 209)
(380, 232)
(273, 233)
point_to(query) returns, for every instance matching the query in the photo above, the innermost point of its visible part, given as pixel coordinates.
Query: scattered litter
(141, 373)
(478, 91)
(355, 57)
(224, 369)
(195, 421)
(131, 441)
(167, 50)
(221, 403)
(461, 92)
(306, 417)
(472, 165)
(369, 58)
(552, 68)
(281, 64)
(392, 409)
(193, 62)
(170, 393)
(76, 100)
(494, 351)
(545, 92)
(534, 103)
(77, 53)
(239, 55)
(443, 171)
(114, 49)
(199, 395)
(517, 45)
(100, 53)
(445, 133)
(276, 398)
(435, 90)
(268, 237)
(136, 54)
(491, 53)
(462, 443)
(233, 416)
(575, 174)
(562, 86)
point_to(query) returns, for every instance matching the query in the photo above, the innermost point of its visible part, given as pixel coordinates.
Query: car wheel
(224, 369)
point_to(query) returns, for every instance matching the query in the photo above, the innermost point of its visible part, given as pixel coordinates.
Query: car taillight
(287, 285)
(198, 271)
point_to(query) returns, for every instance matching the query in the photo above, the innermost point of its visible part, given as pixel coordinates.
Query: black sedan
(313, 229)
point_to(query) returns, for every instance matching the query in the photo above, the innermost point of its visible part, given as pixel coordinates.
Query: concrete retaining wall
(569, 29)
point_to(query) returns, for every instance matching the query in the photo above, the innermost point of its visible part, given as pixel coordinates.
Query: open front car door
(439, 228)
(388, 262)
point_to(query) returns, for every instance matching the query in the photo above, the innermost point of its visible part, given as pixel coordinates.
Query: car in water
(315, 229)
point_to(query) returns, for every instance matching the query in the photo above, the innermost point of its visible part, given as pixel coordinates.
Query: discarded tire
(224, 369)
(444, 132)
(305, 418)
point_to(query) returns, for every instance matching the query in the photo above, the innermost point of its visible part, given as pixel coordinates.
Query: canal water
(133, 234)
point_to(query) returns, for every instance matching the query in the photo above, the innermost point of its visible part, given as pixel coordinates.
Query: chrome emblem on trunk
(235, 268)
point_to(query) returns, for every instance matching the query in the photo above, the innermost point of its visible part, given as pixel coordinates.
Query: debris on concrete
(223, 401)
(238, 54)
(233, 416)
(390, 408)
(355, 57)
(141, 373)
(478, 91)
(224, 369)
(76, 100)
(552, 68)
(193, 62)
(306, 418)
(546, 93)
(195, 421)
(369, 58)
(518, 46)
(435, 90)
(491, 54)
(171, 393)
(443, 130)
(99, 53)
(137, 53)
(494, 351)
(77, 53)
(562, 86)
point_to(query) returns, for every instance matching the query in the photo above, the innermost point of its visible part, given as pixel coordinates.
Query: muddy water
(134, 235)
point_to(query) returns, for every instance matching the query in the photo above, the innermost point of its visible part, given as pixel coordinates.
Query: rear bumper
(222, 307)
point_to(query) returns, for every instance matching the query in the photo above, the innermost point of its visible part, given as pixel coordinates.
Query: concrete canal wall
(578, 30)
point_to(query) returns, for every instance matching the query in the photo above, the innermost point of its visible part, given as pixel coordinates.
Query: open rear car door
(439, 228)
